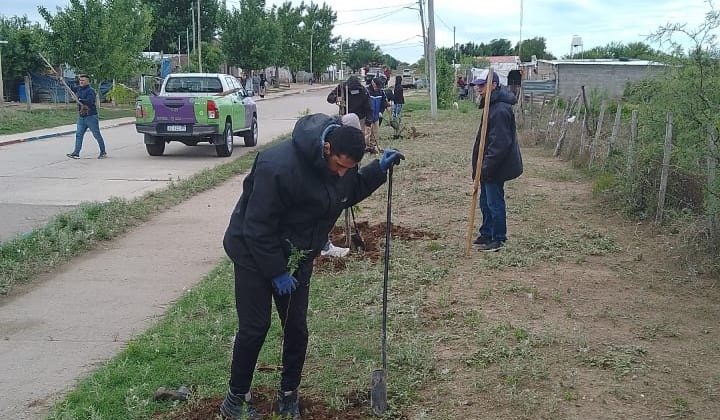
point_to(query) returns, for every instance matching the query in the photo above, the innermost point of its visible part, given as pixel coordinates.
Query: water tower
(574, 44)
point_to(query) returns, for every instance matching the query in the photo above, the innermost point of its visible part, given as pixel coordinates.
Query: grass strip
(70, 234)
(13, 121)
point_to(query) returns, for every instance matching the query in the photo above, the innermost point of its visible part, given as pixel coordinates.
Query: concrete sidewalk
(68, 322)
(45, 133)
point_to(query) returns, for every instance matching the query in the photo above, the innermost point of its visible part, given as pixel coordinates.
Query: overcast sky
(395, 24)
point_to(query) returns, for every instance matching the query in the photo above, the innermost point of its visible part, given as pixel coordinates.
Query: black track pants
(253, 295)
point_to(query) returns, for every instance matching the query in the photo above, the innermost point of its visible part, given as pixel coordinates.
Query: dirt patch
(373, 243)
(310, 408)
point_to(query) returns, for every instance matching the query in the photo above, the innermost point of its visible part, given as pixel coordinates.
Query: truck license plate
(176, 128)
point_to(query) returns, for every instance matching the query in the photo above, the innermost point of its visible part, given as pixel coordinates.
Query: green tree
(363, 52)
(173, 17)
(637, 50)
(25, 40)
(102, 38)
(212, 59)
(287, 20)
(249, 36)
(500, 47)
(533, 46)
(446, 90)
(318, 22)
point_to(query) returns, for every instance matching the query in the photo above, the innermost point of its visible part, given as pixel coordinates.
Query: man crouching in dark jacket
(290, 201)
(501, 162)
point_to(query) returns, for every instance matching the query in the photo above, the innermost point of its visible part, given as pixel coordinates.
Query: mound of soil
(311, 409)
(373, 243)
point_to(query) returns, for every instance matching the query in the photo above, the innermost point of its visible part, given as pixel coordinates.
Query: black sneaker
(239, 407)
(73, 156)
(491, 246)
(102, 155)
(481, 240)
(289, 405)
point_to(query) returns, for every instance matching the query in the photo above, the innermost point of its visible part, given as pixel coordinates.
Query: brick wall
(611, 78)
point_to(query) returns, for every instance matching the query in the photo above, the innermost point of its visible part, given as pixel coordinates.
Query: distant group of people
(369, 103)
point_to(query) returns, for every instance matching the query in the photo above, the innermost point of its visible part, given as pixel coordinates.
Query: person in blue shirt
(87, 118)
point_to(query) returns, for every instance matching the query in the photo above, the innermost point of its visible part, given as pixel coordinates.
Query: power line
(371, 18)
(398, 42)
(376, 8)
(443, 22)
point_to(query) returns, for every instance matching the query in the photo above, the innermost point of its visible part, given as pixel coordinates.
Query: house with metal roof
(564, 77)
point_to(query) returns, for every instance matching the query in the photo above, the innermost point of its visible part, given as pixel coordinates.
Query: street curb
(58, 134)
(64, 133)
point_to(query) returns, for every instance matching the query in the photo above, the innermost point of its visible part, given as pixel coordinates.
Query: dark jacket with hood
(359, 101)
(502, 160)
(378, 100)
(291, 199)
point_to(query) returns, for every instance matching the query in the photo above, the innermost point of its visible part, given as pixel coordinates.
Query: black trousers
(253, 295)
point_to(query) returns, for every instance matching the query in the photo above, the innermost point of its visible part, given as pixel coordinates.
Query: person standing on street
(398, 103)
(501, 162)
(291, 199)
(87, 118)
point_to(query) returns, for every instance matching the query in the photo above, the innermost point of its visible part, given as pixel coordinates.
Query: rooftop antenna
(576, 42)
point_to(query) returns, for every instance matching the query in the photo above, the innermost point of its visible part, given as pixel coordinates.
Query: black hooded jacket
(291, 199)
(359, 101)
(502, 160)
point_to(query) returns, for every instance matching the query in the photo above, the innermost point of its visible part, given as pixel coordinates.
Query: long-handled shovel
(378, 393)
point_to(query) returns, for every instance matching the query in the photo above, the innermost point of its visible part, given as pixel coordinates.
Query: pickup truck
(197, 107)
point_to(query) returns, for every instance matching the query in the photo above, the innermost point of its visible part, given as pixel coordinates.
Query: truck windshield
(193, 85)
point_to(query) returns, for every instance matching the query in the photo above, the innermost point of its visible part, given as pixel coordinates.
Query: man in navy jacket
(291, 199)
(501, 162)
(87, 118)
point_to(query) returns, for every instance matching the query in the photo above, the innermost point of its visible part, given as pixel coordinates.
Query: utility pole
(2, 92)
(454, 50)
(199, 40)
(425, 41)
(192, 10)
(431, 56)
(187, 44)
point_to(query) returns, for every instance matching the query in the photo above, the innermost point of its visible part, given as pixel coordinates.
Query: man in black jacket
(290, 201)
(501, 162)
(352, 95)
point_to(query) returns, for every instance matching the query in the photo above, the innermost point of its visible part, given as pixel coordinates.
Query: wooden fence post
(712, 158)
(563, 130)
(667, 151)
(598, 129)
(28, 95)
(552, 117)
(615, 130)
(632, 141)
(581, 148)
(532, 108)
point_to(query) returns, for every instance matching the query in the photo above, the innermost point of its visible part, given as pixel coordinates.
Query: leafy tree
(500, 47)
(25, 40)
(318, 24)
(638, 50)
(446, 91)
(173, 18)
(212, 59)
(390, 61)
(533, 46)
(363, 52)
(249, 36)
(287, 20)
(102, 38)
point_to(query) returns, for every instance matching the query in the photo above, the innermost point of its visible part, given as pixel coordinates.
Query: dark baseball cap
(480, 81)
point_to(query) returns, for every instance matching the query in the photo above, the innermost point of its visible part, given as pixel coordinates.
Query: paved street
(38, 181)
(60, 328)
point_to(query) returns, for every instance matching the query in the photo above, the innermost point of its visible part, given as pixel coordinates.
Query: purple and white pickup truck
(197, 107)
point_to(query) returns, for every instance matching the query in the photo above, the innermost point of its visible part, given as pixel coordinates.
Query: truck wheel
(226, 149)
(154, 145)
(251, 136)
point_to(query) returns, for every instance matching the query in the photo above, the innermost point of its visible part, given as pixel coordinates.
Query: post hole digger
(378, 391)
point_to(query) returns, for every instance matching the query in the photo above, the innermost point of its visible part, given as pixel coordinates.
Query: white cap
(352, 120)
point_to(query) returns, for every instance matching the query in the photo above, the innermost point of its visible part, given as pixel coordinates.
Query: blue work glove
(390, 157)
(284, 284)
